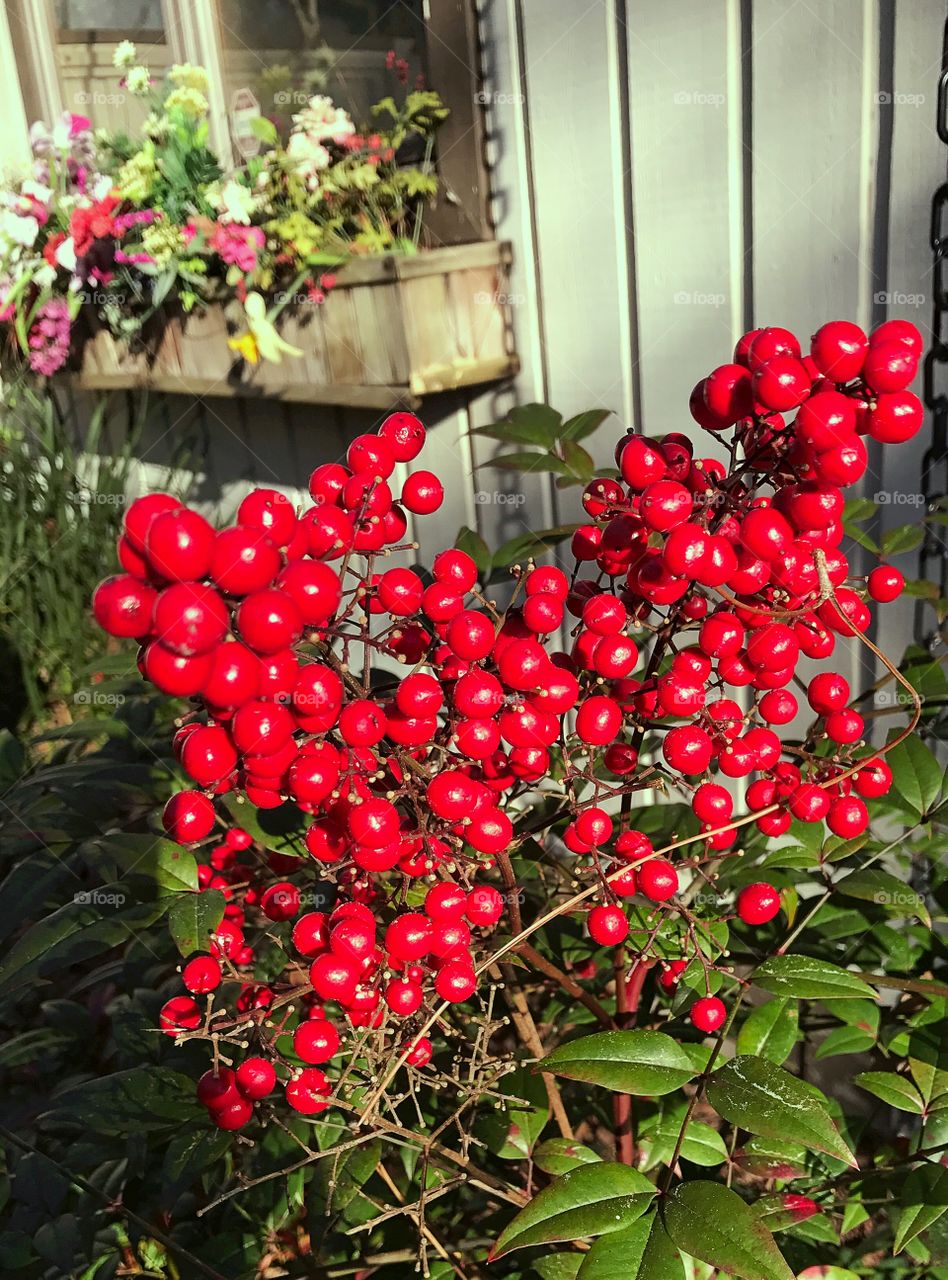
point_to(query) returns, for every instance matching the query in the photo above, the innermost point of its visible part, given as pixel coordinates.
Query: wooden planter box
(393, 329)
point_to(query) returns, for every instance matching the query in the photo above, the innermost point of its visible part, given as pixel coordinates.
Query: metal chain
(933, 557)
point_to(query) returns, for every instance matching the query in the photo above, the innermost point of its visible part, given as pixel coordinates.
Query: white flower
(66, 254)
(37, 191)
(18, 229)
(124, 55)
(45, 276)
(306, 153)
(235, 203)
(102, 186)
(321, 118)
(138, 80)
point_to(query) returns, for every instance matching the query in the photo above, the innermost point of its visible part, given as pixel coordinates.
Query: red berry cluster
(287, 632)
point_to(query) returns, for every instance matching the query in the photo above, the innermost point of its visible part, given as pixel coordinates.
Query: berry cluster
(290, 636)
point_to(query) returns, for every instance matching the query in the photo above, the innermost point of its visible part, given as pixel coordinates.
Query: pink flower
(238, 246)
(78, 124)
(49, 337)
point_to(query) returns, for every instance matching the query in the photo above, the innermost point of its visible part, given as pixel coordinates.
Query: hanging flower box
(305, 273)
(392, 330)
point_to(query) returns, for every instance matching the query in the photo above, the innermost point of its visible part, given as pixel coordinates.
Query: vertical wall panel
(918, 167)
(576, 133)
(687, 162)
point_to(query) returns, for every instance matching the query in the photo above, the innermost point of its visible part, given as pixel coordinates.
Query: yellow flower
(189, 76)
(246, 346)
(267, 341)
(188, 100)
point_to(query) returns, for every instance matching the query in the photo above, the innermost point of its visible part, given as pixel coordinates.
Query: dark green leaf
(474, 545)
(641, 1252)
(916, 774)
(559, 1155)
(141, 1099)
(535, 463)
(757, 1095)
(842, 1040)
(713, 1224)
(511, 1132)
(194, 917)
(588, 1201)
(527, 424)
(906, 537)
(886, 891)
(770, 1031)
(583, 424)
(803, 978)
(896, 1090)
(531, 544)
(645, 1063)
(924, 1200)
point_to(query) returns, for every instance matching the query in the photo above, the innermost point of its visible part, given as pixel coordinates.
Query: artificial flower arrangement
(108, 229)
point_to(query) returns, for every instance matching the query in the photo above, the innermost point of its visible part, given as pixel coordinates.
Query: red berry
(201, 975)
(188, 817)
(315, 1041)
(708, 1014)
(657, 879)
(422, 493)
(123, 606)
(271, 512)
(758, 903)
(608, 926)
(255, 1078)
(180, 545)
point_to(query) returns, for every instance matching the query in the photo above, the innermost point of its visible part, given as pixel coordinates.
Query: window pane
(87, 34)
(83, 16)
(286, 50)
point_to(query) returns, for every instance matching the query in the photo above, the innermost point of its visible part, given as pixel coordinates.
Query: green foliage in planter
(63, 491)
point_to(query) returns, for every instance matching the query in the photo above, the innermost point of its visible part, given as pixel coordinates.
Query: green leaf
(194, 917)
(916, 774)
(770, 1031)
(886, 891)
(713, 1224)
(640, 1252)
(139, 1100)
(474, 545)
(924, 1200)
(643, 1063)
(95, 921)
(906, 537)
(583, 424)
(858, 509)
(893, 1089)
(535, 463)
(580, 463)
(531, 544)
(527, 424)
(588, 1201)
(559, 1155)
(511, 1132)
(170, 867)
(842, 1040)
(265, 130)
(658, 1137)
(756, 1095)
(803, 978)
(558, 1266)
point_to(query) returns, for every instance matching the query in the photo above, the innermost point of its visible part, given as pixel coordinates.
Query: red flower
(94, 223)
(52, 244)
